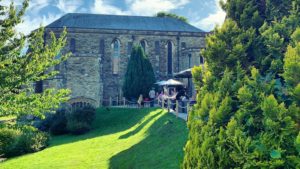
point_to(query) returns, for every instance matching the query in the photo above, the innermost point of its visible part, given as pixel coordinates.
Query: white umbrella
(171, 82)
(160, 83)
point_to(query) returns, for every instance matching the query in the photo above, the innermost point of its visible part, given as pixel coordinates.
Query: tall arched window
(170, 57)
(143, 44)
(73, 45)
(102, 47)
(115, 56)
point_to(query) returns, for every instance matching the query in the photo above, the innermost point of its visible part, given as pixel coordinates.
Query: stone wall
(88, 72)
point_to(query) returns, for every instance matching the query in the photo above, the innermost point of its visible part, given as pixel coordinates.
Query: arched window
(144, 45)
(72, 45)
(102, 47)
(157, 48)
(115, 56)
(170, 57)
(201, 60)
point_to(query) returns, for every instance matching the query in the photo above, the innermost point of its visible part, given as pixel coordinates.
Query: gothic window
(115, 56)
(101, 47)
(72, 45)
(170, 57)
(201, 60)
(157, 48)
(39, 87)
(129, 48)
(183, 45)
(143, 44)
(190, 60)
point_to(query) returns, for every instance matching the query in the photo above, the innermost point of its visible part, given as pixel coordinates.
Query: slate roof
(99, 21)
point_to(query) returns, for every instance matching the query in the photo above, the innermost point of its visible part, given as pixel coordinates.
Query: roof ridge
(106, 21)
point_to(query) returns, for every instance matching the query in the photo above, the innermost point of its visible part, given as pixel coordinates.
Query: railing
(164, 103)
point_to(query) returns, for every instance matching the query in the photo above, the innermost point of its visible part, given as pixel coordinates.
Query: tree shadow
(133, 132)
(108, 121)
(162, 147)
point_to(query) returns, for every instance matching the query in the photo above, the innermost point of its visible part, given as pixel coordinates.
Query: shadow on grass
(131, 133)
(108, 121)
(161, 149)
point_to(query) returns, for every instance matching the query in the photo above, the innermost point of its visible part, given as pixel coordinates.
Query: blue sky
(204, 14)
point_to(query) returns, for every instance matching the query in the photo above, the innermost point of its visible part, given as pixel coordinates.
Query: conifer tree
(247, 111)
(139, 77)
(19, 71)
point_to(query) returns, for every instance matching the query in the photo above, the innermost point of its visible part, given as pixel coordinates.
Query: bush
(55, 123)
(59, 123)
(32, 140)
(8, 140)
(85, 114)
(80, 120)
(77, 127)
(27, 139)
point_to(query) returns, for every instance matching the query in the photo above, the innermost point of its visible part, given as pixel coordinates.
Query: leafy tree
(139, 77)
(248, 107)
(171, 15)
(19, 71)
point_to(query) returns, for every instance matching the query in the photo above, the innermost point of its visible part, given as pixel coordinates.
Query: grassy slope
(121, 138)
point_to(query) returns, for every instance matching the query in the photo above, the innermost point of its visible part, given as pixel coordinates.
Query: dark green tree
(248, 106)
(139, 77)
(171, 15)
(19, 71)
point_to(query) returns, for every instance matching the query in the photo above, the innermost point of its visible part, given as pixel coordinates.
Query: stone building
(101, 47)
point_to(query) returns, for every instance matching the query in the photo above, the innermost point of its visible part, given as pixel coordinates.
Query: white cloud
(138, 7)
(101, 7)
(213, 19)
(151, 7)
(69, 6)
(31, 24)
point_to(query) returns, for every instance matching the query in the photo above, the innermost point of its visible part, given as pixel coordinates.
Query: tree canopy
(171, 15)
(248, 104)
(18, 72)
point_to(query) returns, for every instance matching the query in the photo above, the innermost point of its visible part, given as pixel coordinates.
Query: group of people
(173, 95)
(152, 97)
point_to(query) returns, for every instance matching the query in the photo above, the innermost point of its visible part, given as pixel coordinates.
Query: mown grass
(121, 138)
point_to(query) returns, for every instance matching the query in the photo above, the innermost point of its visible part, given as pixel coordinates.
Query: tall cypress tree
(247, 111)
(139, 77)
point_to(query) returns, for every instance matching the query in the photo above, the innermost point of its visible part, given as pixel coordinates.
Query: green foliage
(55, 123)
(292, 61)
(248, 107)
(171, 15)
(139, 77)
(77, 121)
(8, 140)
(228, 46)
(19, 71)
(80, 120)
(77, 127)
(58, 123)
(18, 141)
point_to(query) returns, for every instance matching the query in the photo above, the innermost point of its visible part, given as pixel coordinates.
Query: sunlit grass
(6, 118)
(121, 138)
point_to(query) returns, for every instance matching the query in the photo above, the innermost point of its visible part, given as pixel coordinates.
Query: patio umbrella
(172, 82)
(160, 83)
(184, 74)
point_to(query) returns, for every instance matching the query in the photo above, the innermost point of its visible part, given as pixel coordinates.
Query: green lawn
(121, 138)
